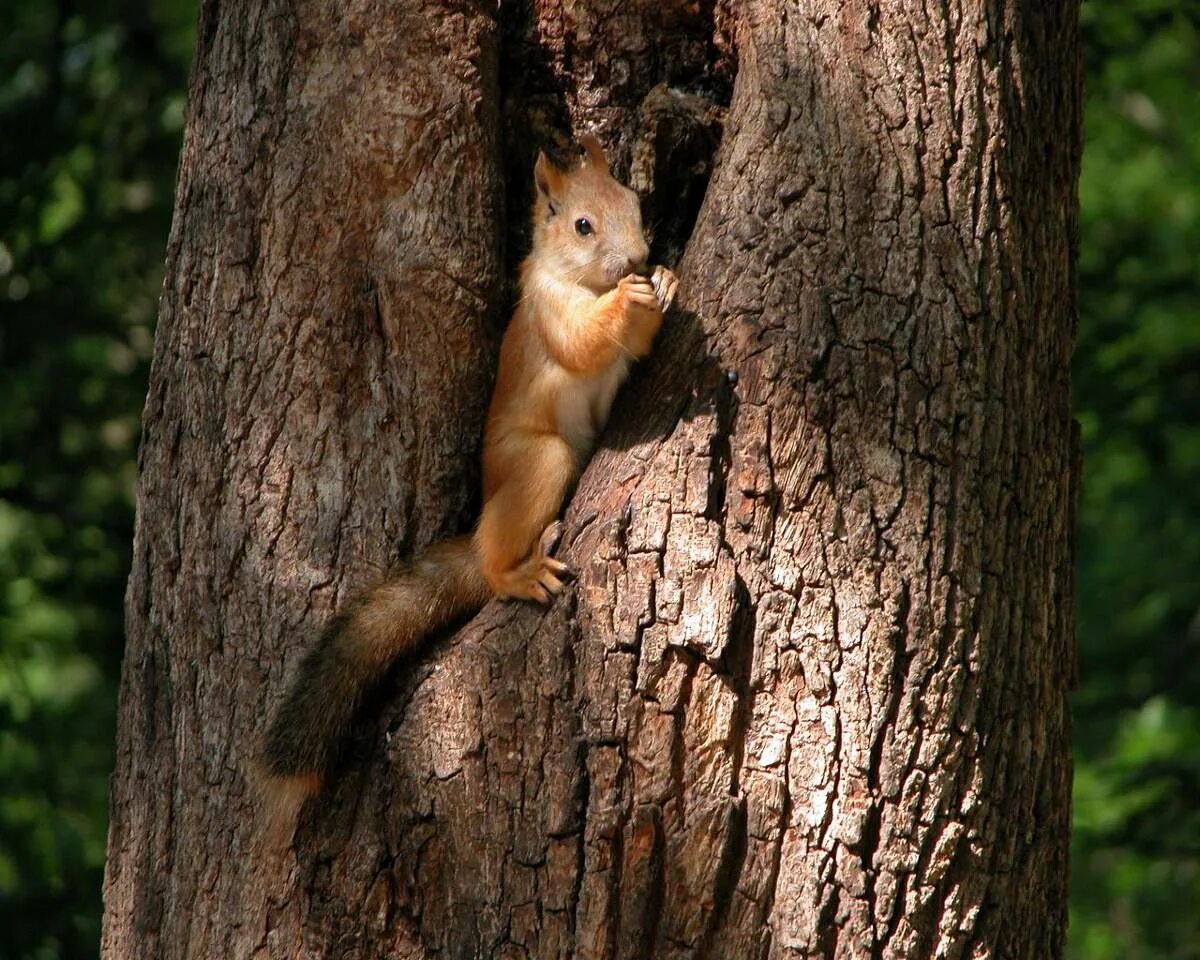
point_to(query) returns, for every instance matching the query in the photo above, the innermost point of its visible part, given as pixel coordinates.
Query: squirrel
(586, 311)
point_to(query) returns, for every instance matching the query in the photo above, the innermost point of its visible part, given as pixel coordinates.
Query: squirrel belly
(356, 648)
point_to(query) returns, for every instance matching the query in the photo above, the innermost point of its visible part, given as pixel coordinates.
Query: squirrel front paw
(643, 300)
(639, 295)
(664, 283)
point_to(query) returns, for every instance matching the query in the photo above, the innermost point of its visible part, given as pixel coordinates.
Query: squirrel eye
(583, 227)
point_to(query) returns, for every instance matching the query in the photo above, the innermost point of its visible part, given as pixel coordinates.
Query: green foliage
(91, 98)
(1136, 857)
(91, 103)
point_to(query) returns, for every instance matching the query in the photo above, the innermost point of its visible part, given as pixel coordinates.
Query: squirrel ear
(593, 153)
(548, 179)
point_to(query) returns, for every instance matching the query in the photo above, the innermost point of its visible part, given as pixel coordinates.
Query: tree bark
(808, 696)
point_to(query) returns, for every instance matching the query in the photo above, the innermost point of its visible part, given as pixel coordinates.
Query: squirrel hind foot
(540, 577)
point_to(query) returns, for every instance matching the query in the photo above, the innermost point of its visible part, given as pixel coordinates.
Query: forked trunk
(808, 697)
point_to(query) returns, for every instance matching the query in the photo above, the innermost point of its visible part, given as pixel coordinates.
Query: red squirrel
(586, 311)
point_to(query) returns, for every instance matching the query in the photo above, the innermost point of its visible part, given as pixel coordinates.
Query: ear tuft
(548, 180)
(593, 153)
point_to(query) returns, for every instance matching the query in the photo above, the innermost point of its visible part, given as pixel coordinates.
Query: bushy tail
(353, 653)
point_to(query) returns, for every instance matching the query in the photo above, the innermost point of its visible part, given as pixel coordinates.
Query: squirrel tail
(354, 652)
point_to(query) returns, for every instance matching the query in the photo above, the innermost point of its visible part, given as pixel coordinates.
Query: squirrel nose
(637, 258)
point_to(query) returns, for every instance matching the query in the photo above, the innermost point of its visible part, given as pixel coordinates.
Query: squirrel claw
(549, 582)
(665, 284)
(550, 537)
(548, 570)
(558, 568)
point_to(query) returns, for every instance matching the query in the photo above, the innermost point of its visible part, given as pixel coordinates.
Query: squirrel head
(587, 227)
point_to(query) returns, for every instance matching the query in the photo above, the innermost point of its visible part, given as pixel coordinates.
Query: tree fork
(808, 696)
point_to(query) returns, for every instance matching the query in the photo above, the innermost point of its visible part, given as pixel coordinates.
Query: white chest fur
(584, 405)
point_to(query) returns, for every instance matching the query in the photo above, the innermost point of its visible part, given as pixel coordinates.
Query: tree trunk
(808, 696)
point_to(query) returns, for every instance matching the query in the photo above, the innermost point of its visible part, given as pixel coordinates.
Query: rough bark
(808, 695)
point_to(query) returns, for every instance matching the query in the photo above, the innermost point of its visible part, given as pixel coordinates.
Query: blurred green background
(91, 109)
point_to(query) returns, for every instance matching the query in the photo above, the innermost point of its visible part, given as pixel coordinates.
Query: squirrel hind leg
(517, 528)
